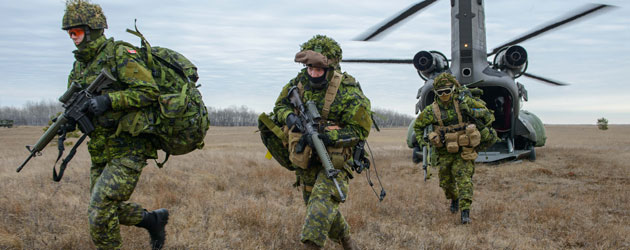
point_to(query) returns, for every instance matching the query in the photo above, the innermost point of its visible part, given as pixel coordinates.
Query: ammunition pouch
(473, 135)
(300, 159)
(339, 156)
(451, 140)
(463, 140)
(469, 153)
(435, 139)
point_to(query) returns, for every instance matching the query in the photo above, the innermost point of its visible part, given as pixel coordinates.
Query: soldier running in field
(117, 157)
(345, 120)
(461, 125)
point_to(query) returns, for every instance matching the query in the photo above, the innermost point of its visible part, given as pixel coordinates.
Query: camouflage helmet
(445, 80)
(82, 12)
(326, 46)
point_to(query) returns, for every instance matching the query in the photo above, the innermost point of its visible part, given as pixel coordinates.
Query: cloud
(244, 49)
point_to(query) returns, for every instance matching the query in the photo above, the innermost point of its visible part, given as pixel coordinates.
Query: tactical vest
(338, 155)
(280, 142)
(464, 136)
(331, 93)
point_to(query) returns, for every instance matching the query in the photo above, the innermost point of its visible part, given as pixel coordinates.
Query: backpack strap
(460, 122)
(145, 44)
(331, 93)
(438, 114)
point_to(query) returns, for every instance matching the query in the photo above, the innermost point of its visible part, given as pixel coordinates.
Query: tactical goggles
(76, 32)
(445, 91)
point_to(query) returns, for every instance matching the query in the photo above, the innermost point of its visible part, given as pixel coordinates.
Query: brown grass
(228, 196)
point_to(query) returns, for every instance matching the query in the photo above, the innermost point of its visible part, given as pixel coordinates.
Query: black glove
(326, 139)
(307, 140)
(99, 104)
(302, 143)
(293, 122)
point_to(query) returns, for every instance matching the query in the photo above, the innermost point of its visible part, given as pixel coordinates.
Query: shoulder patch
(125, 48)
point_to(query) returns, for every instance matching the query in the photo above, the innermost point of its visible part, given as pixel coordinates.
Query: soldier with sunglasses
(461, 125)
(117, 158)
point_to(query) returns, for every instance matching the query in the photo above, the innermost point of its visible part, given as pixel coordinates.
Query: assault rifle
(309, 117)
(75, 101)
(426, 150)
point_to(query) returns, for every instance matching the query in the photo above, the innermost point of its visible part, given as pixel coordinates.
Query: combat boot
(155, 222)
(348, 243)
(466, 216)
(454, 205)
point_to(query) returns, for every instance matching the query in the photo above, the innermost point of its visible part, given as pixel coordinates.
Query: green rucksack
(180, 120)
(274, 139)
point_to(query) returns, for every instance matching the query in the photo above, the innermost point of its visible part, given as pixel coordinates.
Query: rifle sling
(64, 163)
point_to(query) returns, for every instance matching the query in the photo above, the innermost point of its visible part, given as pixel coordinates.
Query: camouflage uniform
(456, 173)
(117, 159)
(350, 112)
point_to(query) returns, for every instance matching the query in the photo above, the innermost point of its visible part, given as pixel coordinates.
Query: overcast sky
(244, 49)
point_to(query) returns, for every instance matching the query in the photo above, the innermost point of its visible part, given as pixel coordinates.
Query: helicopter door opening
(499, 100)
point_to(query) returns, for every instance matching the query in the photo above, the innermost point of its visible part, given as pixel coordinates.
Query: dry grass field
(228, 196)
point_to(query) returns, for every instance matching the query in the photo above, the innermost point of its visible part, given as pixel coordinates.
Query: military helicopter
(520, 131)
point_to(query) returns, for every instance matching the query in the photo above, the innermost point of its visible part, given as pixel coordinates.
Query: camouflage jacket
(350, 109)
(134, 89)
(473, 111)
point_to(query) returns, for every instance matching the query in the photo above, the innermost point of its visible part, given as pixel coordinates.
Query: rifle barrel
(25, 161)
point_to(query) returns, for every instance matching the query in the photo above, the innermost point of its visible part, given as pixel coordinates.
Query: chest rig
(329, 98)
(460, 136)
(460, 125)
(338, 155)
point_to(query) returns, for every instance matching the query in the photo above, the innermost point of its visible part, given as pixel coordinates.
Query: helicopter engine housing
(430, 63)
(512, 60)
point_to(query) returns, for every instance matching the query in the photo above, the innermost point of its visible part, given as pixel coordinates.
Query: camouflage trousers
(456, 178)
(111, 184)
(323, 218)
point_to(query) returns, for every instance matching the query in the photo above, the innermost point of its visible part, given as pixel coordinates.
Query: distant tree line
(32, 113)
(233, 116)
(39, 113)
(385, 118)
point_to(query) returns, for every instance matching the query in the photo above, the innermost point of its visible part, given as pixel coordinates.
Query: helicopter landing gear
(532, 152)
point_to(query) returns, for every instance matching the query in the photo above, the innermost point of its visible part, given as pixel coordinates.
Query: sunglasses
(76, 32)
(441, 92)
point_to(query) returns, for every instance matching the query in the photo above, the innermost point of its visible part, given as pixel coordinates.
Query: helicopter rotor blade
(373, 32)
(545, 80)
(389, 61)
(585, 11)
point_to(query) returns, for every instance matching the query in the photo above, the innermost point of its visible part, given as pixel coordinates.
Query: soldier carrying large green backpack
(153, 103)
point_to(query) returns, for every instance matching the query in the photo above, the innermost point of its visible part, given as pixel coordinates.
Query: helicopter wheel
(414, 155)
(532, 153)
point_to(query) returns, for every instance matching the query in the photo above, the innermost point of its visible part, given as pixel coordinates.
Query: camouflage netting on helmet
(326, 46)
(82, 12)
(444, 80)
